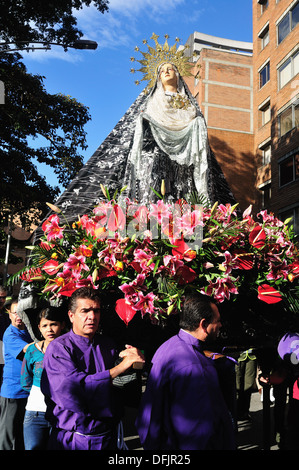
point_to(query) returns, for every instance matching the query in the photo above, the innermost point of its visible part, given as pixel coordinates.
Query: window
(288, 119)
(264, 74)
(266, 195)
(264, 5)
(266, 154)
(264, 37)
(295, 16)
(288, 23)
(285, 73)
(283, 28)
(265, 189)
(289, 170)
(288, 70)
(265, 113)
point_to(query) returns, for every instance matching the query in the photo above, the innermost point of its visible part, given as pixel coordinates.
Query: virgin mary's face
(167, 75)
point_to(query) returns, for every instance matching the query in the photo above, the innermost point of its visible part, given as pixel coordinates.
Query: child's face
(50, 329)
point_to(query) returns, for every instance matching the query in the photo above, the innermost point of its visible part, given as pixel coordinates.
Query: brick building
(276, 105)
(225, 95)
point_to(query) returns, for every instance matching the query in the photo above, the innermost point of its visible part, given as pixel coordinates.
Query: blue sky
(101, 79)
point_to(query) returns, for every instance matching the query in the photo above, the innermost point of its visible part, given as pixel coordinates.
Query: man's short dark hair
(196, 307)
(83, 293)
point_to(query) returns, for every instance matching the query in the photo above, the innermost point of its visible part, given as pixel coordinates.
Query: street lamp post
(83, 44)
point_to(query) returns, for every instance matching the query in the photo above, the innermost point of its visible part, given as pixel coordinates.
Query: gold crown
(159, 55)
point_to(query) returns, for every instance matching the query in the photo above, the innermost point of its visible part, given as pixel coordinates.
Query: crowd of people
(63, 392)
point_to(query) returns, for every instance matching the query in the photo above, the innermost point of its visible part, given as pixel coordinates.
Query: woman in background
(36, 427)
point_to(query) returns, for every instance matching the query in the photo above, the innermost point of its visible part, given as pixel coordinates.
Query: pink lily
(221, 289)
(278, 271)
(52, 229)
(143, 258)
(229, 264)
(132, 289)
(76, 264)
(159, 211)
(88, 224)
(270, 219)
(88, 282)
(101, 213)
(145, 303)
(190, 221)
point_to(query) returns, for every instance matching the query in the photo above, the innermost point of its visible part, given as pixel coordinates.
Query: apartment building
(276, 106)
(224, 92)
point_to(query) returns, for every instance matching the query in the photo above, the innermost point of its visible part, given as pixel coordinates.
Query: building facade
(276, 106)
(224, 92)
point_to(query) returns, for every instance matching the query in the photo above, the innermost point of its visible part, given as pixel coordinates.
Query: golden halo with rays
(159, 55)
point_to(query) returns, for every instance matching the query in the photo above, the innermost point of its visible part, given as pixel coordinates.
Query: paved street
(251, 433)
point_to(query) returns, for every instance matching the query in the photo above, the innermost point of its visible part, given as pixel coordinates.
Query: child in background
(36, 427)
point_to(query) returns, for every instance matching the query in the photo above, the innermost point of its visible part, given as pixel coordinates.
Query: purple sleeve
(71, 388)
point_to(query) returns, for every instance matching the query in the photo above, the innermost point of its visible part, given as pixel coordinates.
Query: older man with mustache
(83, 406)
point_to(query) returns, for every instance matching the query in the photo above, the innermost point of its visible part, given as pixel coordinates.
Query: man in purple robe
(83, 406)
(183, 407)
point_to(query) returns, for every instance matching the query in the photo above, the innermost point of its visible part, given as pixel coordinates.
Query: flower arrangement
(152, 255)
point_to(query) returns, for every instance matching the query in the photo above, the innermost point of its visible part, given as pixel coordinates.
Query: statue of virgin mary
(170, 143)
(162, 137)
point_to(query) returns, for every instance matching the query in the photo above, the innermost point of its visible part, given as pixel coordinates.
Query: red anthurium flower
(182, 250)
(68, 289)
(268, 294)
(116, 219)
(294, 271)
(104, 272)
(186, 275)
(257, 237)
(125, 311)
(244, 260)
(51, 267)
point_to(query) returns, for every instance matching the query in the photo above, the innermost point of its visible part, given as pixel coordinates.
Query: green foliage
(26, 21)
(29, 113)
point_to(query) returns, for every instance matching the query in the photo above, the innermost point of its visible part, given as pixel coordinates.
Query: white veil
(160, 110)
(180, 133)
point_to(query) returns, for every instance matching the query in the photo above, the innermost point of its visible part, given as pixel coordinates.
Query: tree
(29, 113)
(27, 21)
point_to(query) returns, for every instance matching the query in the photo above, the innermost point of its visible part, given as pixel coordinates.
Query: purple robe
(183, 406)
(82, 405)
